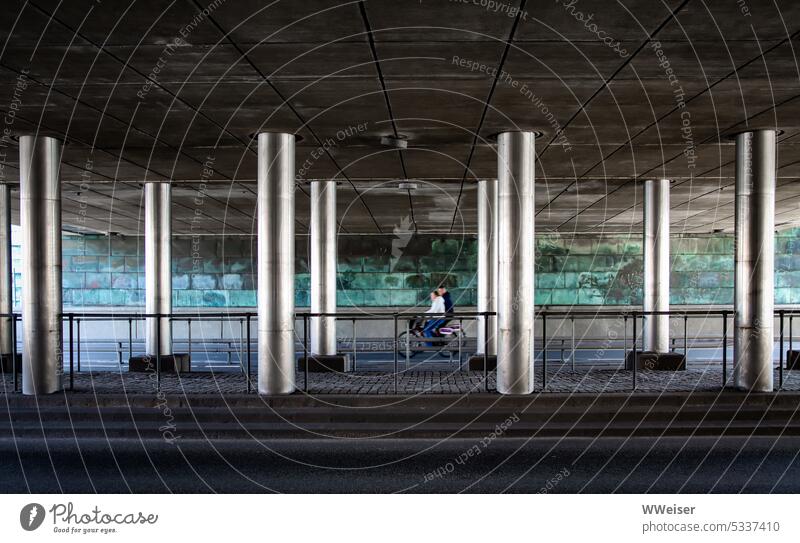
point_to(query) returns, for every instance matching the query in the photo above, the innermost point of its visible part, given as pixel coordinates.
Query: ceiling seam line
(136, 70)
(717, 136)
(621, 67)
(583, 106)
(93, 149)
(488, 101)
(374, 51)
(291, 108)
(674, 109)
(110, 116)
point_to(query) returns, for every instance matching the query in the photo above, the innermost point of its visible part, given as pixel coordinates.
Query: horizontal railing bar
(391, 314)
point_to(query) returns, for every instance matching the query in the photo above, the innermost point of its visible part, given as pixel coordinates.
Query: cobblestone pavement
(561, 379)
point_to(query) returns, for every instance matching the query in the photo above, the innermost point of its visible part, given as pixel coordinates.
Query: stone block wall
(381, 271)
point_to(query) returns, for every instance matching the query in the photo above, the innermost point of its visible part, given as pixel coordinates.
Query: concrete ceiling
(133, 108)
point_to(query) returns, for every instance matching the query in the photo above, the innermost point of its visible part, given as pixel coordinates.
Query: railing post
(248, 349)
(71, 360)
(394, 350)
(544, 350)
(355, 350)
(158, 352)
(486, 351)
(241, 340)
(459, 336)
(686, 338)
(572, 357)
(130, 338)
(305, 352)
(724, 348)
(189, 336)
(634, 356)
(780, 354)
(408, 345)
(79, 343)
(14, 350)
(625, 340)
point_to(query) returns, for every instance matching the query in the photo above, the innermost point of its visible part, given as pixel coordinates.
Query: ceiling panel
(133, 108)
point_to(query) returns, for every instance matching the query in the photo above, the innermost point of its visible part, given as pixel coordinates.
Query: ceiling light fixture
(398, 142)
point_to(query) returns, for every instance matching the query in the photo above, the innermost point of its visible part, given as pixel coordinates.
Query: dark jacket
(448, 302)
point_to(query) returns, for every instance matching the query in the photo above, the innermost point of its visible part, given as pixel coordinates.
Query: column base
(475, 362)
(651, 360)
(792, 360)
(170, 363)
(5, 363)
(319, 363)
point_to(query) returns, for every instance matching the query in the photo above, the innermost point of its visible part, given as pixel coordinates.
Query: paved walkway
(561, 379)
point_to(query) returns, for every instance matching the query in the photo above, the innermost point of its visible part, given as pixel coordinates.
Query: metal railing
(635, 316)
(73, 342)
(74, 321)
(394, 316)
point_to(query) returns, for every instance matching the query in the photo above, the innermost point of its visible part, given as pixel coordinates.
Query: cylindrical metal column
(158, 265)
(323, 266)
(6, 277)
(276, 263)
(40, 216)
(754, 290)
(487, 262)
(515, 270)
(655, 334)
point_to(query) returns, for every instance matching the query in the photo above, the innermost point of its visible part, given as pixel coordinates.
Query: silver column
(755, 261)
(6, 277)
(323, 266)
(276, 263)
(655, 335)
(515, 251)
(40, 216)
(487, 262)
(158, 265)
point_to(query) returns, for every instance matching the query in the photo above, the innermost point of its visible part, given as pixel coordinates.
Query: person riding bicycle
(437, 308)
(448, 301)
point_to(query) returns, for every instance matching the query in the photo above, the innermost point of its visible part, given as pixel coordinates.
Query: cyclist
(437, 308)
(448, 301)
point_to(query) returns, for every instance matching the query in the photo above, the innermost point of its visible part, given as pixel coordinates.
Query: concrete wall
(386, 271)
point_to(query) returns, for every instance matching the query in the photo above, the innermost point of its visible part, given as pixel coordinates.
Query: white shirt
(437, 306)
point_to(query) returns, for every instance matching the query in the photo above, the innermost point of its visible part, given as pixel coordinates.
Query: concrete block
(232, 281)
(125, 246)
(174, 363)
(325, 364)
(241, 265)
(98, 280)
(81, 264)
(476, 362)
(6, 363)
(203, 281)
(793, 360)
(650, 360)
(124, 280)
(97, 246)
(72, 245)
(215, 298)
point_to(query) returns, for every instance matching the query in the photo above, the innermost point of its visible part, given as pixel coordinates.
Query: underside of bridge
(176, 91)
(309, 156)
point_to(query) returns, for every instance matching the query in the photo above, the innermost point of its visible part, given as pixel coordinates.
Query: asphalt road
(671, 465)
